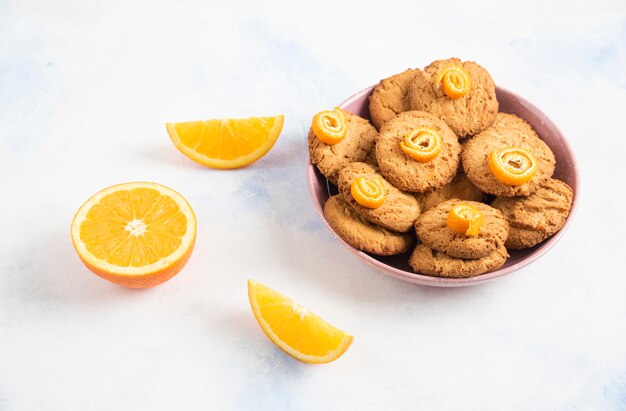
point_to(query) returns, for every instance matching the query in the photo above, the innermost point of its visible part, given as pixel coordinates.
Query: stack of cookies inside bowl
(438, 175)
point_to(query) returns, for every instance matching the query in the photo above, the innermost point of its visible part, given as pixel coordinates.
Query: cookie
(467, 115)
(404, 172)
(534, 218)
(432, 229)
(390, 97)
(507, 130)
(397, 212)
(426, 261)
(330, 158)
(361, 234)
(460, 187)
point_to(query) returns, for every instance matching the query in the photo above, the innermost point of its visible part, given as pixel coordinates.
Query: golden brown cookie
(460, 187)
(397, 212)
(467, 115)
(432, 229)
(359, 233)
(429, 262)
(534, 218)
(390, 97)
(330, 158)
(404, 172)
(507, 130)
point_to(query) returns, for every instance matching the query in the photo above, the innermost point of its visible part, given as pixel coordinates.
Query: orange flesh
(421, 144)
(226, 143)
(295, 329)
(329, 126)
(133, 227)
(455, 80)
(512, 165)
(368, 192)
(465, 219)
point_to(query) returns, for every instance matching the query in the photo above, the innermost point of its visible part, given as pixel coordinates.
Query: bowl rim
(535, 253)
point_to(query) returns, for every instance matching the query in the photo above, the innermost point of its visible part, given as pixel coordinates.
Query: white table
(85, 90)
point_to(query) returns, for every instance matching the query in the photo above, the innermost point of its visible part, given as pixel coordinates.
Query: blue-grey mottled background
(85, 90)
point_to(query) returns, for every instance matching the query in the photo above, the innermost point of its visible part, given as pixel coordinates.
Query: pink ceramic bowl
(397, 266)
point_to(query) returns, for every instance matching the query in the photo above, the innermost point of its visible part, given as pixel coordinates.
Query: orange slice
(455, 80)
(465, 219)
(226, 143)
(512, 165)
(294, 329)
(330, 126)
(368, 192)
(421, 144)
(135, 234)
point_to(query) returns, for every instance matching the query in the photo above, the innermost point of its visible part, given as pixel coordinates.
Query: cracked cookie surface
(391, 97)
(467, 115)
(534, 218)
(406, 173)
(330, 158)
(507, 130)
(427, 261)
(362, 234)
(432, 229)
(397, 212)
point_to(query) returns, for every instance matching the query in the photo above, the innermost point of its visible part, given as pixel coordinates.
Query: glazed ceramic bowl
(397, 266)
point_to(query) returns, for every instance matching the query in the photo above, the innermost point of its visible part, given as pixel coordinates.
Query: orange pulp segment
(135, 234)
(226, 143)
(330, 126)
(513, 165)
(368, 192)
(421, 144)
(465, 219)
(294, 329)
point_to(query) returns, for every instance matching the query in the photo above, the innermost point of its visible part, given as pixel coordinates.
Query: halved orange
(294, 329)
(226, 143)
(135, 234)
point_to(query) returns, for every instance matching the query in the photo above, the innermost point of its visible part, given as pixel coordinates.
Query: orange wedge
(226, 143)
(294, 329)
(135, 234)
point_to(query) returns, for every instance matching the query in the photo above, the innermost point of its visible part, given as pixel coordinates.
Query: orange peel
(330, 126)
(465, 219)
(368, 192)
(513, 165)
(421, 144)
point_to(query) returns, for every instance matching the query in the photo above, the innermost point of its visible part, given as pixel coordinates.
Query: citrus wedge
(226, 143)
(135, 234)
(294, 329)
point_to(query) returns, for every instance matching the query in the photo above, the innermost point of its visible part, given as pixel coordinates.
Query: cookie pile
(438, 166)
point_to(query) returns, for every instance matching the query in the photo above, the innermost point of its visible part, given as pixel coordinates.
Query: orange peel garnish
(465, 219)
(330, 126)
(455, 80)
(421, 144)
(368, 192)
(513, 165)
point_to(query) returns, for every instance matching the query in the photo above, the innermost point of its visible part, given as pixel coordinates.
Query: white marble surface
(85, 90)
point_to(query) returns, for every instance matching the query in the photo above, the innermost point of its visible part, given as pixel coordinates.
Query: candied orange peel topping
(465, 219)
(455, 81)
(421, 144)
(330, 126)
(513, 165)
(368, 192)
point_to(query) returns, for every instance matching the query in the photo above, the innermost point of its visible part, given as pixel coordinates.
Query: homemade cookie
(466, 115)
(534, 218)
(330, 158)
(404, 172)
(460, 187)
(397, 212)
(359, 233)
(390, 97)
(429, 262)
(507, 130)
(432, 229)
